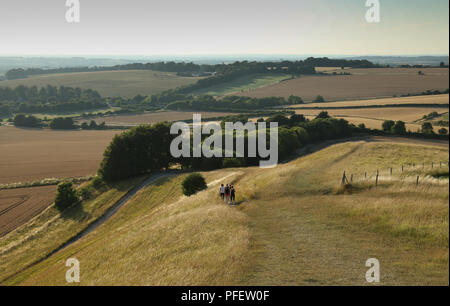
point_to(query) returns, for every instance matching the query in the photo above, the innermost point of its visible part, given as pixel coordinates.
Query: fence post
(344, 179)
(417, 181)
(376, 180)
(365, 175)
(402, 168)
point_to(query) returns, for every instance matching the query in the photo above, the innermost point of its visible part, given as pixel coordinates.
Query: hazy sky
(158, 27)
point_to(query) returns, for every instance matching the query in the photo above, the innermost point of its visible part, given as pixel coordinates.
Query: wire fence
(391, 172)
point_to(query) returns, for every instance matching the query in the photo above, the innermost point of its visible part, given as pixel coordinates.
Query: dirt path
(114, 209)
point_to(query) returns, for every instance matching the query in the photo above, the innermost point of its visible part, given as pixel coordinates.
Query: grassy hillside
(294, 226)
(243, 84)
(127, 83)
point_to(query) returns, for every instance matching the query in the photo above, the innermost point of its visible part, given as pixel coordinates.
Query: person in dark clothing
(232, 195)
(227, 194)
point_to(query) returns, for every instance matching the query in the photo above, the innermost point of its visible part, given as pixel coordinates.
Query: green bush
(231, 163)
(66, 196)
(193, 183)
(97, 182)
(443, 131)
(387, 125)
(399, 128)
(319, 99)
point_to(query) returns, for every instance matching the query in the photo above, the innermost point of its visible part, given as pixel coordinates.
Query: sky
(206, 27)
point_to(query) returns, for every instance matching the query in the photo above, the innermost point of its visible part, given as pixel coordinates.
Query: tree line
(48, 99)
(146, 148)
(190, 67)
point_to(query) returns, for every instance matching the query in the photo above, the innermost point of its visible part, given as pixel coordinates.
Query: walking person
(227, 194)
(233, 195)
(222, 192)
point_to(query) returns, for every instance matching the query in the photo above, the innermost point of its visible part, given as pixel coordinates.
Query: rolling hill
(294, 225)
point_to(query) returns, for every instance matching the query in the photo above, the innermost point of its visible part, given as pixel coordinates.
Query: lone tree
(323, 115)
(319, 99)
(66, 196)
(193, 183)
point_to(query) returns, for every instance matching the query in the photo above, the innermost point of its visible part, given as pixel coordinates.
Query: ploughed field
(28, 155)
(361, 84)
(17, 206)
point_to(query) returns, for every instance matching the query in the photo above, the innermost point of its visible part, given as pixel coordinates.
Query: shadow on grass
(75, 213)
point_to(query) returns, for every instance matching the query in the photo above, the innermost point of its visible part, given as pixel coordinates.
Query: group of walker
(228, 194)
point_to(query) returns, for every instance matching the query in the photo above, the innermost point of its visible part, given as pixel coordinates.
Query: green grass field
(294, 226)
(243, 84)
(127, 83)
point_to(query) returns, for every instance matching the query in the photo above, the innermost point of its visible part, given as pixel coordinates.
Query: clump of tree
(395, 127)
(319, 99)
(22, 120)
(193, 183)
(66, 196)
(62, 123)
(93, 126)
(427, 128)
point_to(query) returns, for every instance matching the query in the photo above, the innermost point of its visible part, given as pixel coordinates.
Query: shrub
(443, 131)
(323, 115)
(387, 125)
(399, 128)
(427, 128)
(231, 163)
(193, 183)
(97, 182)
(319, 99)
(66, 196)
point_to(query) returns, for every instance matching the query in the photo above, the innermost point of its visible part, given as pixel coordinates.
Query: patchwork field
(127, 83)
(361, 84)
(31, 154)
(17, 206)
(153, 117)
(293, 226)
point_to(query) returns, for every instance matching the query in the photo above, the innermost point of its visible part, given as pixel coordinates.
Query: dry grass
(47, 231)
(291, 228)
(127, 83)
(361, 84)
